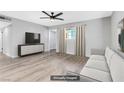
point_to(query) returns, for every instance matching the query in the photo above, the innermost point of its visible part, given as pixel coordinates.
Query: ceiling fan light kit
(51, 20)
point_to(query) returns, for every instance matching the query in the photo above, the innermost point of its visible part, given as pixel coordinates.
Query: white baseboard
(14, 56)
(10, 55)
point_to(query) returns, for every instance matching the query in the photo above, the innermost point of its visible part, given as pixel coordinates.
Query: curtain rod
(67, 26)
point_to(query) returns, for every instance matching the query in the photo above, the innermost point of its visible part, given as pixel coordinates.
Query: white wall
(115, 19)
(18, 29)
(97, 33)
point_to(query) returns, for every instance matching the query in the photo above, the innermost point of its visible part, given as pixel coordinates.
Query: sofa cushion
(99, 65)
(97, 57)
(96, 74)
(108, 54)
(117, 68)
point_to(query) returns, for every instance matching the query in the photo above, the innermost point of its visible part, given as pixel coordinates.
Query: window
(70, 33)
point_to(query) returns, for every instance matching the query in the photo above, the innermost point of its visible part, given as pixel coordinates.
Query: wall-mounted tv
(32, 38)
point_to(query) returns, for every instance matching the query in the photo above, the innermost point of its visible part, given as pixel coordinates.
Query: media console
(28, 49)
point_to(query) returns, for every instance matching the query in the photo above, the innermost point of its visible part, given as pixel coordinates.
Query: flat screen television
(32, 38)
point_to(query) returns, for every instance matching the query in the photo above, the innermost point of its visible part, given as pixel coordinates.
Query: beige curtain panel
(62, 41)
(80, 40)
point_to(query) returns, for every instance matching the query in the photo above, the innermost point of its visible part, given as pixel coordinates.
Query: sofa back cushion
(117, 68)
(108, 54)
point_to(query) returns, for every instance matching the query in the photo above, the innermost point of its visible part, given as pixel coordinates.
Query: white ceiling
(69, 16)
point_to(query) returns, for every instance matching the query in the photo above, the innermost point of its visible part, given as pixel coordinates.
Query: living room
(66, 43)
(98, 19)
(61, 46)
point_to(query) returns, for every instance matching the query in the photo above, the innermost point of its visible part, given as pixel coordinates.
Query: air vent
(5, 18)
(1, 17)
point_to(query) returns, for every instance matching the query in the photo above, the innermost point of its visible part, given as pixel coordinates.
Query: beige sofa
(107, 67)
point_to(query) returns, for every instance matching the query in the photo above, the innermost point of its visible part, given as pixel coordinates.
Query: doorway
(53, 40)
(4, 36)
(70, 40)
(1, 43)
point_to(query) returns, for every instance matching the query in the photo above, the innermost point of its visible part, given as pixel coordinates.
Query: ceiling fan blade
(46, 13)
(44, 18)
(58, 14)
(59, 19)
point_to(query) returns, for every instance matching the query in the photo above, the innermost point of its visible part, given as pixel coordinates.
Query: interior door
(52, 40)
(70, 41)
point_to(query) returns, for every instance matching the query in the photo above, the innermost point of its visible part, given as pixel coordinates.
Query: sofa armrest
(82, 77)
(97, 52)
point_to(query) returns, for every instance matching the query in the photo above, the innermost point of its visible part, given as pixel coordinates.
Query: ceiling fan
(52, 17)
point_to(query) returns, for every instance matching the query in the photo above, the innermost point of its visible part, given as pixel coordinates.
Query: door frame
(1, 41)
(72, 40)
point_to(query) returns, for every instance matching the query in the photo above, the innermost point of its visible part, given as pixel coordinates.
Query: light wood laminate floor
(38, 67)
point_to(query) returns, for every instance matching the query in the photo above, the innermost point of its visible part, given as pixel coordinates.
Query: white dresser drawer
(30, 49)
